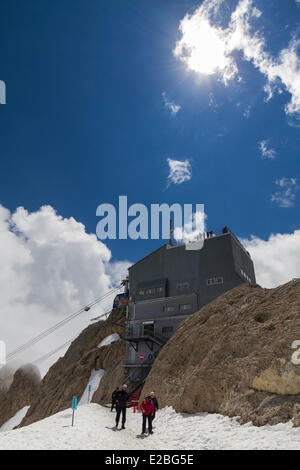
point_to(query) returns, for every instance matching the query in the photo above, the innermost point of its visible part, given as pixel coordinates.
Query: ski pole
(74, 407)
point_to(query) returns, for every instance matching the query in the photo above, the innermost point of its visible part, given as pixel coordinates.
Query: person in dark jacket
(147, 409)
(121, 400)
(155, 404)
(113, 398)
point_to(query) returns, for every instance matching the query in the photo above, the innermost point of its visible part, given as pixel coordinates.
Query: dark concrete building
(172, 283)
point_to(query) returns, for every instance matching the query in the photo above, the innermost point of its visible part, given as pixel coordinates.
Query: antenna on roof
(171, 231)
(125, 284)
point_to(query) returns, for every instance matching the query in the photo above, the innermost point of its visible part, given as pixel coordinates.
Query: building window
(160, 290)
(169, 308)
(183, 307)
(167, 329)
(215, 280)
(150, 291)
(140, 292)
(245, 276)
(183, 286)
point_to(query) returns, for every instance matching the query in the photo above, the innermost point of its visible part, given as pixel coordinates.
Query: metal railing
(142, 331)
(213, 234)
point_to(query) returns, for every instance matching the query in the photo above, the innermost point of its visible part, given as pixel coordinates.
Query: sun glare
(201, 47)
(207, 50)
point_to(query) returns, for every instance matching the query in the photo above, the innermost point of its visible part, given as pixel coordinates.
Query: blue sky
(88, 116)
(163, 101)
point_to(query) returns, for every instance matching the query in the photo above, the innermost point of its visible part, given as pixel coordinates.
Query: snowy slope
(93, 429)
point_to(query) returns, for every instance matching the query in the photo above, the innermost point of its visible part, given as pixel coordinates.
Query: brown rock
(234, 357)
(69, 376)
(6, 378)
(296, 415)
(22, 391)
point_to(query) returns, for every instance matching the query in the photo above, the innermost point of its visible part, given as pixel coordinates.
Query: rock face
(237, 356)
(6, 378)
(69, 376)
(296, 415)
(21, 392)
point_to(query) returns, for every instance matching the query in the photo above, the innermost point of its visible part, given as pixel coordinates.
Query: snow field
(94, 429)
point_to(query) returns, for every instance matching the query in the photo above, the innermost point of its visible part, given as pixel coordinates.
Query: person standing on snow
(155, 403)
(147, 408)
(113, 398)
(121, 400)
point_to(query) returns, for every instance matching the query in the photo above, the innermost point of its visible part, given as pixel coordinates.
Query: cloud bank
(276, 260)
(50, 268)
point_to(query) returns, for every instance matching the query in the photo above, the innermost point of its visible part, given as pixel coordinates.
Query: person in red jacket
(147, 409)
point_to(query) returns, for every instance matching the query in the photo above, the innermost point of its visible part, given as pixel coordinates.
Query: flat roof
(216, 235)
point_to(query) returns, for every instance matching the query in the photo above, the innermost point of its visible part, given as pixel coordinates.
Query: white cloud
(294, 121)
(276, 260)
(269, 92)
(180, 172)
(207, 48)
(170, 105)
(212, 101)
(247, 111)
(192, 228)
(285, 197)
(287, 69)
(50, 268)
(265, 151)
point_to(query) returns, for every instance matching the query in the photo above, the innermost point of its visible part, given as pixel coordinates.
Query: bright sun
(201, 47)
(204, 47)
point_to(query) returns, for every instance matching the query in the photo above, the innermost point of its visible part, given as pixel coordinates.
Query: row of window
(172, 308)
(184, 286)
(151, 291)
(169, 308)
(167, 329)
(160, 290)
(180, 287)
(245, 276)
(214, 280)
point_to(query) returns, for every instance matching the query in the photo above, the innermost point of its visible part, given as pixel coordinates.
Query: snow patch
(94, 381)
(109, 339)
(15, 420)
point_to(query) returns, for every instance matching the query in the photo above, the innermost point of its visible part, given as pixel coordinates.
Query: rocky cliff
(6, 378)
(70, 375)
(234, 357)
(21, 392)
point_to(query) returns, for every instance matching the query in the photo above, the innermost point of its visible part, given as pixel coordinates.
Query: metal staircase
(143, 332)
